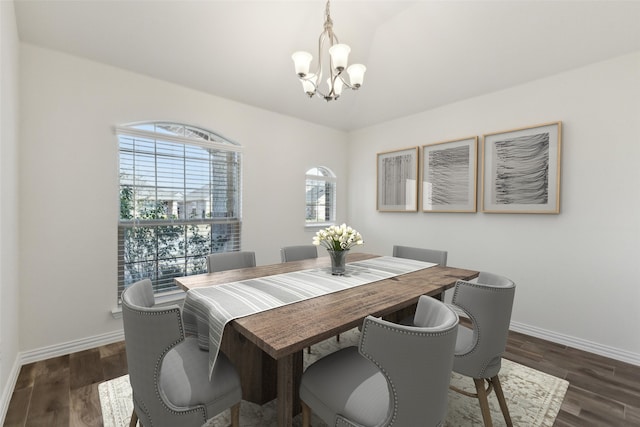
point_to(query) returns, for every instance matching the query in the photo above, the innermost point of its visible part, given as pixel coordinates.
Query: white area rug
(533, 397)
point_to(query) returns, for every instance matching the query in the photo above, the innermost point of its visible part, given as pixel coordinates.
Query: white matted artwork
(449, 171)
(397, 180)
(521, 170)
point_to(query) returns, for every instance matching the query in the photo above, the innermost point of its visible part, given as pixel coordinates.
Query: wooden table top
(285, 330)
(211, 279)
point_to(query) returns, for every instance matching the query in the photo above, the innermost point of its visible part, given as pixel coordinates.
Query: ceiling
(419, 54)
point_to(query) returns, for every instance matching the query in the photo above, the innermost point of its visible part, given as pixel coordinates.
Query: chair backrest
(418, 375)
(150, 332)
(421, 254)
(488, 303)
(297, 253)
(222, 261)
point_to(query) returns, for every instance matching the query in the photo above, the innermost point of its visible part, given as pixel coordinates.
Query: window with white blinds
(180, 199)
(320, 197)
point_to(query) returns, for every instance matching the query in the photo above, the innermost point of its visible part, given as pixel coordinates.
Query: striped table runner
(207, 310)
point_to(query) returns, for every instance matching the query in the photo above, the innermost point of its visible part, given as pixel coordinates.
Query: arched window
(179, 200)
(320, 196)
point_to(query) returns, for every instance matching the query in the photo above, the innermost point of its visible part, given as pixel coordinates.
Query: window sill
(318, 226)
(164, 299)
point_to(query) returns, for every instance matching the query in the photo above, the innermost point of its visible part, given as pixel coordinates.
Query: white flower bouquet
(338, 238)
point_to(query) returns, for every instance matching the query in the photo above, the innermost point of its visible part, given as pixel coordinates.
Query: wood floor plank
(114, 366)
(589, 401)
(50, 397)
(632, 414)
(26, 376)
(85, 368)
(607, 387)
(628, 376)
(576, 362)
(112, 349)
(18, 407)
(85, 407)
(48, 419)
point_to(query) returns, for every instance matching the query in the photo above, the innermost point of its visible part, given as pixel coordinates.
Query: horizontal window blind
(180, 200)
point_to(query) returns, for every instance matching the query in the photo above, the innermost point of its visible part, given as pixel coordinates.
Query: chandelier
(338, 58)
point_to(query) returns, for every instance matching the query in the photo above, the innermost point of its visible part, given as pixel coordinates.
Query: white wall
(577, 273)
(9, 326)
(69, 183)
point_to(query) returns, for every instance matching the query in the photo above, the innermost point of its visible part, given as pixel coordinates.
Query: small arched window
(320, 196)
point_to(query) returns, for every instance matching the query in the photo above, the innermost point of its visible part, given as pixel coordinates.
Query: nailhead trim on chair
(384, 372)
(156, 376)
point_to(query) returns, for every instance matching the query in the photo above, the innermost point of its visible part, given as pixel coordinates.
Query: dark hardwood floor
(64, 391)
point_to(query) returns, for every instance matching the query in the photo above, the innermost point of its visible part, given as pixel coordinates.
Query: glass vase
(338, 261)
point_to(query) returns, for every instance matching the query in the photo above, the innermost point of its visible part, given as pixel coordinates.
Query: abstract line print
(396, 171)
(522, 170)
(448, 176)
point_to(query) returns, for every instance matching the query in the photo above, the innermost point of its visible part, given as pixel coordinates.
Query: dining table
(267, 346)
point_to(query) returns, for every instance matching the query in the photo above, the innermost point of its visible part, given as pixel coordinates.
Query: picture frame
(397, 180)
(449, 176)
(521, 170)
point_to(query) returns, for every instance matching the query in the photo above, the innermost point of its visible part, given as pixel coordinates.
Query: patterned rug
(533, 397)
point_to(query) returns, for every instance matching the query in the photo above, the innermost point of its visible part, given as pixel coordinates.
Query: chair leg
(306, 414)
(484, 402)
(134, 419)
(235, 415)
(501, 400)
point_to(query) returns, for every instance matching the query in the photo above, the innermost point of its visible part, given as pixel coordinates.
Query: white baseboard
(70, 347)
(580, 344)
(7, 392)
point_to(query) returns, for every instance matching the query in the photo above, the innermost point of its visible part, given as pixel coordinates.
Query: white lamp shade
(356, 74)
(302, 61)
(339, 56)
(308, 84)
(337, 87)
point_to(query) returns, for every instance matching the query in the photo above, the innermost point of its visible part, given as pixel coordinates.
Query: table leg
(257, 369)
(289, 373)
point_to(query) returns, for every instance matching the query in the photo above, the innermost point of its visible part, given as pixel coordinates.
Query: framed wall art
(449, 171)
(521, 170)
(397, 180)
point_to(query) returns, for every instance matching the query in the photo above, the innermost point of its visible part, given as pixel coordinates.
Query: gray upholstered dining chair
(375, 384)
(169, 374)
(222, 261)
(421, 254)
(479, 348)
(297, 253)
